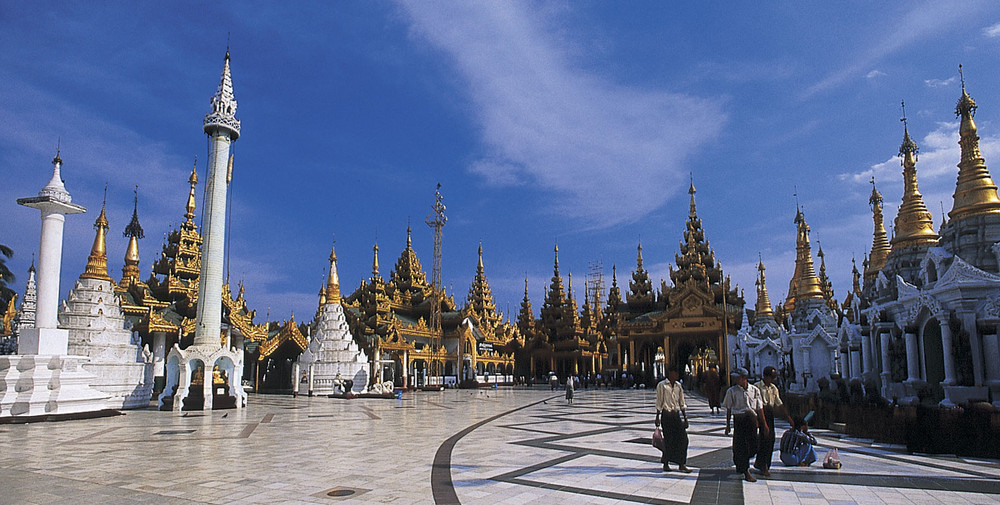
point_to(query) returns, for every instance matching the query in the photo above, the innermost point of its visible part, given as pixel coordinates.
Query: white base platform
(37, 385)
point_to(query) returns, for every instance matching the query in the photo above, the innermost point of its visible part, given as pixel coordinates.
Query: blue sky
(569, 122)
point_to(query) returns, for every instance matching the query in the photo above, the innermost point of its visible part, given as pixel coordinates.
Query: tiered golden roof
(526, 317)
(804, 284)
(640, 293)
(97, 262)
(480, 301)
(408, 278)
(975, 192)
(554, 309)
(914, 224)
(696, 263)
(848, 307)
(180, 261)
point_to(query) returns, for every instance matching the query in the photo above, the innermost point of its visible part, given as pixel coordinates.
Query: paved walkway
(457, 446)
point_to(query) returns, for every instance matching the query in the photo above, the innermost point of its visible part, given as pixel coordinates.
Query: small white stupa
(332, 358)
(96, 325)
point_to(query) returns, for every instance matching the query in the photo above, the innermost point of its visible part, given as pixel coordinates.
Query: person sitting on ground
(797, 445)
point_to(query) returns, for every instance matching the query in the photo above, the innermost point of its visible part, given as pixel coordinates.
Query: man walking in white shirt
(745, 406)
(671, 411)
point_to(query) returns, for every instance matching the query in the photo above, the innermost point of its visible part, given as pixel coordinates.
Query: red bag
(658, 439)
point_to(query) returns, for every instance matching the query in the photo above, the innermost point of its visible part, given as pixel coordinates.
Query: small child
(797, 445)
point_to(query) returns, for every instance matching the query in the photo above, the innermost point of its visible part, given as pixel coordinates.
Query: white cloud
(610, 153)
(992, 31)
(938, 83)
(875, 73)
(923, 20)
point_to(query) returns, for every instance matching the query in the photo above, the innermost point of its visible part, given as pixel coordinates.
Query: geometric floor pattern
(523, 446)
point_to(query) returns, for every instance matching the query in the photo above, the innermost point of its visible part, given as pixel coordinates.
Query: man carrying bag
(671, 412)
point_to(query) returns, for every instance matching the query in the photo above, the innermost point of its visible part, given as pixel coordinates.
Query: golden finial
(913, 224)
(975, 191)
(193, 181)
(130, 272)
(57, 159)
(332, 279)
(693, 211)
(97, 262)
(375, 260)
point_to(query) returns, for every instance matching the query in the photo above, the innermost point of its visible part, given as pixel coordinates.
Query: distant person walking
(569, 390)
(772, 402)
(671, 413)
(712, 385)
(745, 407)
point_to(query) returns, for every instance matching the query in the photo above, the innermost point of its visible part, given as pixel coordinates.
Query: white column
(912, 358)
(949, 356)
(312, 368)
(975, 346)
(991, 350)
(296, 370)
(866, 351)
(159, 352)
(884, 347)
(213, 249)
(855, 363)
(49, 266)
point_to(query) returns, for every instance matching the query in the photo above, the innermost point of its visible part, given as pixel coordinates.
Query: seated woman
(797, 445)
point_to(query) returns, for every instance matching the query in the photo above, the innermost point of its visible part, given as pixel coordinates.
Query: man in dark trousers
(744, 403)
(671, 412)
(772, 402)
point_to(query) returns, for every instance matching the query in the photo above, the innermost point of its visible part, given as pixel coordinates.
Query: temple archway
(933, 351)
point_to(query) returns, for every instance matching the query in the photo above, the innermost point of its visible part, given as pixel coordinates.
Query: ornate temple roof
(480, 300)
(640, 296)
(526, 316)
(696, 263)
(408, 278)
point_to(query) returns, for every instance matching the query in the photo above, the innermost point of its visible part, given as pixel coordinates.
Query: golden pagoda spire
(130, 272)
(914, 224)
(880, 244)
(322, 295)
(332, 293)
(375, 261)
(193, 181)
(763, 300)
(975, 192)
(97, 262)
(804, 284)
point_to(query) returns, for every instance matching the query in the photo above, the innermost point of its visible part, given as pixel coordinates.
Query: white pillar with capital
(949, 354)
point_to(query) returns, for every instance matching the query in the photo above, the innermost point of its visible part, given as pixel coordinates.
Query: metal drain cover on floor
(341, 492)
(174, 432)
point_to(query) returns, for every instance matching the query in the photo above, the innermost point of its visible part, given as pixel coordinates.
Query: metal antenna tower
(437, 221)
(595, 283)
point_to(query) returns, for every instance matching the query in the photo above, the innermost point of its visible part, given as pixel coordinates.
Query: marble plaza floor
(505, 446)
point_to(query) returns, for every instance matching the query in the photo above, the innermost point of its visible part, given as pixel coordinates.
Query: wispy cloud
(923, 20)
(992, 31)
(874, 74)
(609, 153)
(938, 83)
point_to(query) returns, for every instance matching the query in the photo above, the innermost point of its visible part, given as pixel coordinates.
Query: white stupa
(96, 325)
(332, 357)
